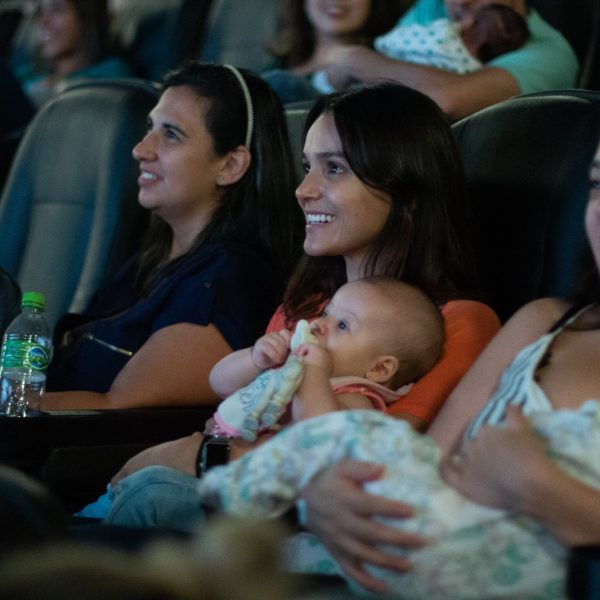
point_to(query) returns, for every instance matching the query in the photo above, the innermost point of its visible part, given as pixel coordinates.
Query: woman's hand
(341, 514)
(346, 66)
(178, 454)
(498, 466)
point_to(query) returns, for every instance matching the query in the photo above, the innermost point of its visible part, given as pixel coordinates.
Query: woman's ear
(384, 368)
(235, 164)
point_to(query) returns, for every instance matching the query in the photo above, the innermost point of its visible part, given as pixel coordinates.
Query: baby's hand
(271, 349)
(316, 356)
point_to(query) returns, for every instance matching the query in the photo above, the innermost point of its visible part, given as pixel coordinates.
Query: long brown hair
(398, 141)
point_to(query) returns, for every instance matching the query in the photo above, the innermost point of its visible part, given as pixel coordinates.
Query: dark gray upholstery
(295, 115)
(69, 213)
(526, 162)
(156, 35)
(237, 32)
(30, 514)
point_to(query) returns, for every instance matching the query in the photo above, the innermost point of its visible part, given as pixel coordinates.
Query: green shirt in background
(545, 62)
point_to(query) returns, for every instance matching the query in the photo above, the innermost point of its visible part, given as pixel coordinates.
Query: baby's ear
(383, 369)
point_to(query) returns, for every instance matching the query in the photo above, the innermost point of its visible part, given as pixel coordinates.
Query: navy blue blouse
(233, 286)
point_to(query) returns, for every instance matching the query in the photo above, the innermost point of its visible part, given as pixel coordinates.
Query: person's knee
(157, 496)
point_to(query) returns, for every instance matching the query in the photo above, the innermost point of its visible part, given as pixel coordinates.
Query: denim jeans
(156, 496)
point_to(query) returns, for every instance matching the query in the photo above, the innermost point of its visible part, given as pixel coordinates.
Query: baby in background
(375, 337)
(459, 47)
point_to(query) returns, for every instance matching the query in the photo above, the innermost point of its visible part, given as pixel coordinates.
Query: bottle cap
(33, 299)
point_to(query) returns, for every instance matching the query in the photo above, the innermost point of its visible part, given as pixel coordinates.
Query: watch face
(214, 454)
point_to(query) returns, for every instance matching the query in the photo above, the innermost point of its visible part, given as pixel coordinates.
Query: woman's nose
(308, 188)
(143, 149)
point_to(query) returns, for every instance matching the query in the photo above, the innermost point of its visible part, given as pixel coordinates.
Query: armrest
(76, 452)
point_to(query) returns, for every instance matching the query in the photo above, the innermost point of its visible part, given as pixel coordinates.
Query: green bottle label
(19, 354)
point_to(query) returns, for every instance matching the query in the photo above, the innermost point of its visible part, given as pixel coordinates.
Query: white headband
(248, 99)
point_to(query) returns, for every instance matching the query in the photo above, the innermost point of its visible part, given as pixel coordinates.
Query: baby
(459, 47)
(375, 337)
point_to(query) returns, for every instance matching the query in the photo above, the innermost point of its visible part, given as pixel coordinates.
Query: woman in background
(72, 42)
(311, 29)
(217, 176)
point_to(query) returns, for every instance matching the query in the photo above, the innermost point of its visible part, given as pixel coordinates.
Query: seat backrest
(590, 71)
(69, 213)
(30, 514)
(156, 35)
(526, 162)
(10, 16)
(295, 115)
(238, 33)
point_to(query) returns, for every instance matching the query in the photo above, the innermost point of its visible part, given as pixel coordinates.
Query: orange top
(468, 326)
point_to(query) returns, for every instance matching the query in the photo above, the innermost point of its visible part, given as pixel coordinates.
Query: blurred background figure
(72, 41)
(311, 29)
(462, 46)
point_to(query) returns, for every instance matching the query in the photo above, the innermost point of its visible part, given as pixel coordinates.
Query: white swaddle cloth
(260, 404)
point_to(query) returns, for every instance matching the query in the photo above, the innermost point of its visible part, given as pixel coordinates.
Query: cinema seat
(526, 163)
(68, 212)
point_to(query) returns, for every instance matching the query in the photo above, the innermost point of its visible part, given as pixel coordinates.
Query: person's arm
(477, 386)
(458, 95)
(314, 395)
(531, 484)
(342, 514)
(170, 369)
(239, 368)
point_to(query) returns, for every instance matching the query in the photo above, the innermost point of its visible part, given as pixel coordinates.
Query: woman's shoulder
(540, 314)
(231, 268)
(226, 252)
(539, 309)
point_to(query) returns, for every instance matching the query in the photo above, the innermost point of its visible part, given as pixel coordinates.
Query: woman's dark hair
(261, 205)
(295, 42)
(398, 141)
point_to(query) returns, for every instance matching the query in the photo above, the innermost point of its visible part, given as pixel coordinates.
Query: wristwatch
(214, 450)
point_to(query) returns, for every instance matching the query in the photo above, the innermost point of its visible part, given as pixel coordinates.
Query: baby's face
(352, 328)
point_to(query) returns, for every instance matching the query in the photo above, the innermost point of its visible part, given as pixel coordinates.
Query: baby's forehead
(372, 298)
(388, 291)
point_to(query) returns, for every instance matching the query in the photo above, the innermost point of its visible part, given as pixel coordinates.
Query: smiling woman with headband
(216, 175)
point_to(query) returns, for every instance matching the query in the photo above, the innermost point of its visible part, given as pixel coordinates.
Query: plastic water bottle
(26, 352)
